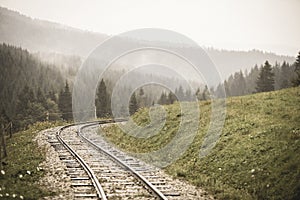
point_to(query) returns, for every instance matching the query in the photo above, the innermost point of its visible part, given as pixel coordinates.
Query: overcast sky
(268, 25)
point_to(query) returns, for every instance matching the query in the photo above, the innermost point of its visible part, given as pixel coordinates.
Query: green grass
(21, 165)
(256, 157)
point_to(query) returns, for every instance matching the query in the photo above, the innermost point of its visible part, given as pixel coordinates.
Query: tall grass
(256, 157)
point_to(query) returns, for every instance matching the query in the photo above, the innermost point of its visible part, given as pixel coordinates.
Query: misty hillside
(19, 68)
(229, 62)
(43, 36)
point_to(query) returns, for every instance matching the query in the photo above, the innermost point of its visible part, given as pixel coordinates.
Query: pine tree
(179, 93)
(296, 81)
(163, 99)
(133, 105)
(238, 84)
(219, 93)
(227, 88)
(141, 98)
(265, 81)
(284, 76)
(171, 98)
(65, 103)
(205, 94)
(251, 80)
(102, 101)
(198, 94)
(188, 95)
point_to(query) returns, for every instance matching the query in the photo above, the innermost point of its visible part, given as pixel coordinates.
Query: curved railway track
(99, 171)
(81, 174)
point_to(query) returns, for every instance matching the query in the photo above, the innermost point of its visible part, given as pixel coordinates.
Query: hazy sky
(269, 25)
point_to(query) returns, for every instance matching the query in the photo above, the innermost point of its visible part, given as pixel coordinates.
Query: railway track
(98, 170)
(97, 173)
(84, 182)
(146, 174)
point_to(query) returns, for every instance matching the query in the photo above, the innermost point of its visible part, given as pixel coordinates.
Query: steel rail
(89, 171)
(117, 160)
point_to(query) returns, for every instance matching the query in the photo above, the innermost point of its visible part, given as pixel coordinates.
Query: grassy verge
(19, 170)
(256, 157)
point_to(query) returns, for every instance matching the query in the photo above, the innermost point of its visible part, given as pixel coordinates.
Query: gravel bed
(56, 178)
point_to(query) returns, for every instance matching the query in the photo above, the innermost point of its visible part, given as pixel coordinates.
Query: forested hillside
(243, 83)
(28, 88)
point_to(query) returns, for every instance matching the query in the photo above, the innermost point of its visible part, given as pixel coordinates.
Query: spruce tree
(241, 89)
(265, 81)
(296, 81)
(179, 93)
(284, 76)
(188, 95)
(102, 101)
(133, 105)
(205, 94)
(163, 99)
(198, 94)
(65, 103)
(141, 98)
(227, 88)
(171, 98)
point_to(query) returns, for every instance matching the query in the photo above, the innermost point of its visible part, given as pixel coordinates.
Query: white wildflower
(6, 194)
(21, 197)
(37, 169)
(1, 195)
(2, 172)
(252, 170)
(14, 195)
(20, 176)
(28, 172)
(220, 168)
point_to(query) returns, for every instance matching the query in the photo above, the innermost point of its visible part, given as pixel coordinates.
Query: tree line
(39, 107)
(263, 79)
(260, 79)
(32, 91)
(29, 89)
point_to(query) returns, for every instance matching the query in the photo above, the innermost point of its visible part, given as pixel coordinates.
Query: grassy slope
(23, 155)
(257, 156)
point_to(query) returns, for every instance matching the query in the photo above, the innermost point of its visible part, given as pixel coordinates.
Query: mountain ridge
(44, 36)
